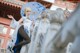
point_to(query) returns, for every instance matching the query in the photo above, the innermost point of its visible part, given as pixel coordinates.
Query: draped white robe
(33, 36)
(55, 26)
(40, 36)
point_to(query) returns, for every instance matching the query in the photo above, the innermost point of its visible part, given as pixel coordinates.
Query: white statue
(31, 47)
(41, 33)
(56, 21)
(70, 32)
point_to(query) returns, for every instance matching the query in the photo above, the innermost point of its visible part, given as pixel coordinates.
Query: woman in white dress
(23, 31)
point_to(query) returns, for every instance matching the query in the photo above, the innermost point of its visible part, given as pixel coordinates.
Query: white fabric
(27, 24)
(27, 27)
(14, 24)
(33, 36)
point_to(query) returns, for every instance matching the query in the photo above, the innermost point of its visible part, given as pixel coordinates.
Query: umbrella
(36, 8)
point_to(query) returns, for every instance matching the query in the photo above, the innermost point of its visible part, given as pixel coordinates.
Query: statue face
(66, 14)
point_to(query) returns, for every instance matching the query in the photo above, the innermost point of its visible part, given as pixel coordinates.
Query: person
(23, 34)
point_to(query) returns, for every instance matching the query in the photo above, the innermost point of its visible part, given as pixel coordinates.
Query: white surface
(51, 1)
